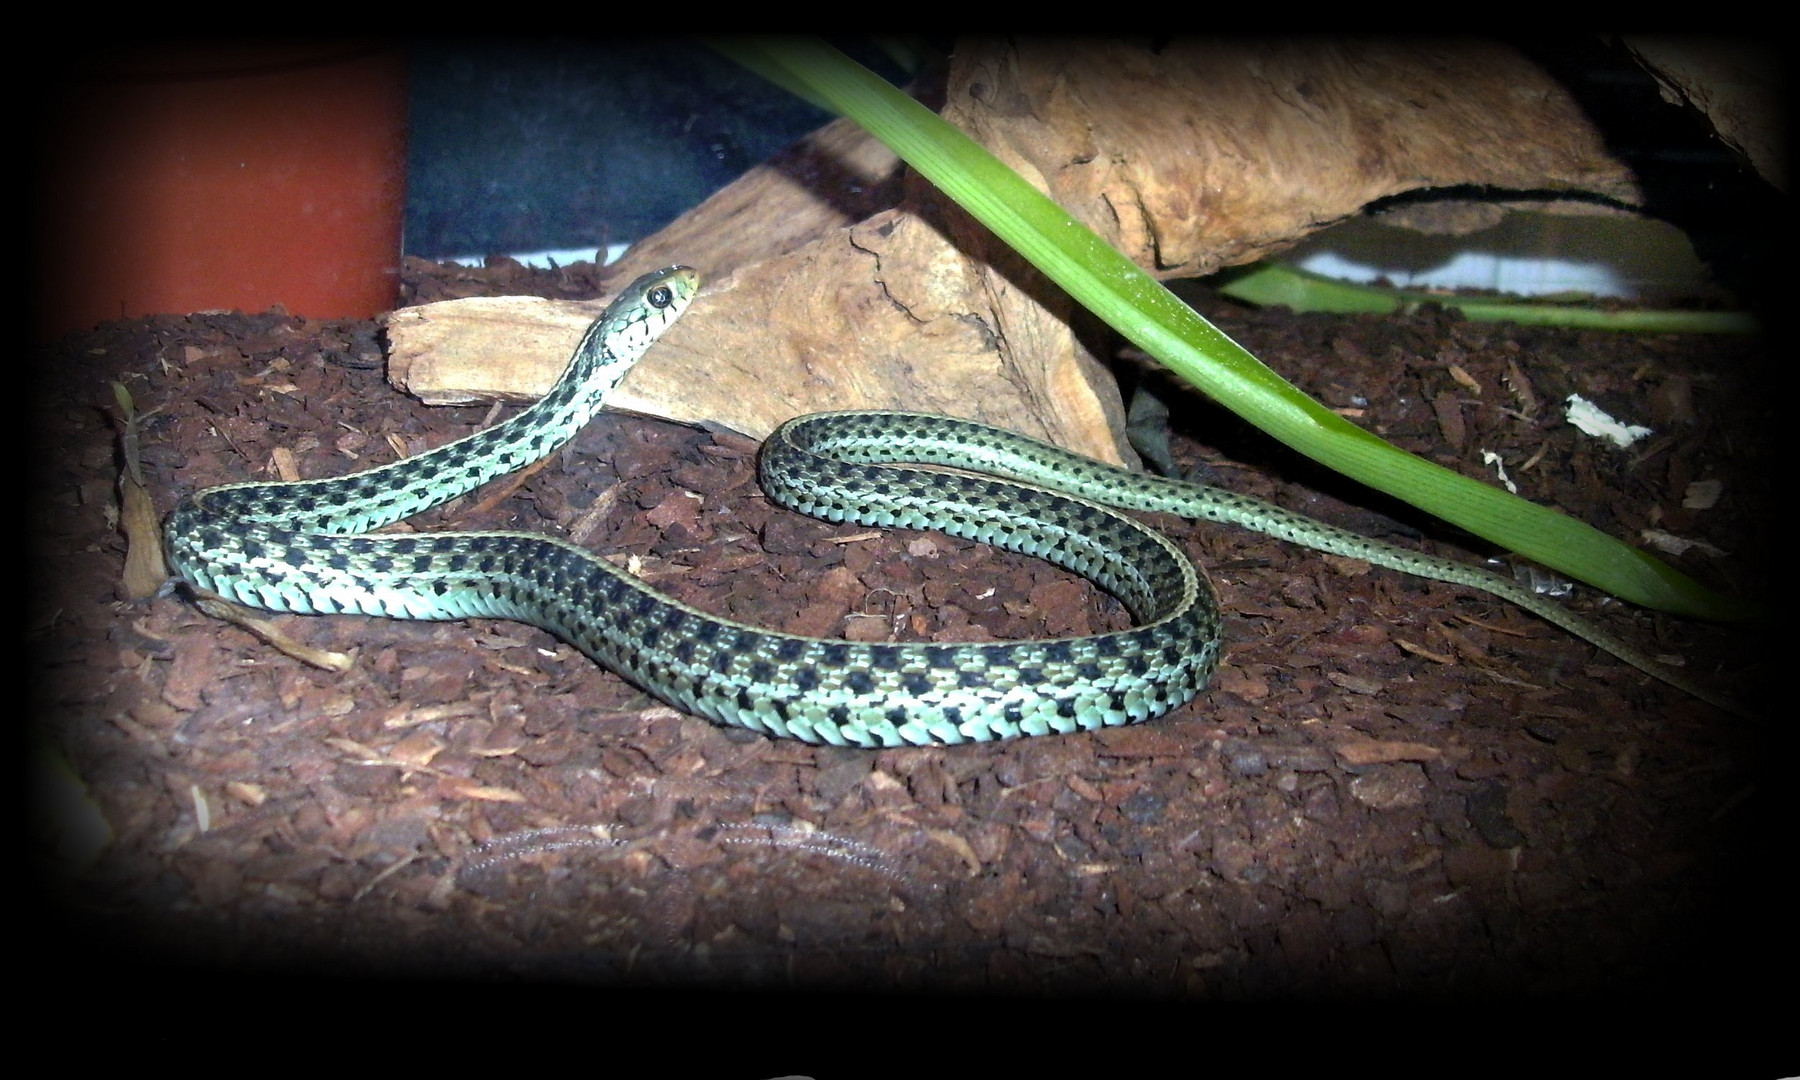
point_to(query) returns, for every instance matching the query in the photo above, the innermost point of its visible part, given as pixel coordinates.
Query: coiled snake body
(299, 547)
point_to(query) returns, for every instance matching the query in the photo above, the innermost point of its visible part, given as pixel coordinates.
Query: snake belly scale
(302, 547)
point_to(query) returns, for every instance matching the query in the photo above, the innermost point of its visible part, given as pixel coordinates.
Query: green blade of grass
(1273, 283)
(1137, 306)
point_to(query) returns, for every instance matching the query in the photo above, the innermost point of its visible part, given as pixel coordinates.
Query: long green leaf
(1274, 283)
(1111, 286)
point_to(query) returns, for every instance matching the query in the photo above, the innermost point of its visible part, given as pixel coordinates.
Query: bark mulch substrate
(1394, 788)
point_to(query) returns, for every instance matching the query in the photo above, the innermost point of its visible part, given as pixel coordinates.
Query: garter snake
(302, 547)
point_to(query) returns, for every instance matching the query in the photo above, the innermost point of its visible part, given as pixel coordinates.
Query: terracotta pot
(216, 177)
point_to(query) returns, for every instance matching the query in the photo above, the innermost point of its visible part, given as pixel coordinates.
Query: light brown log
(1190, 158)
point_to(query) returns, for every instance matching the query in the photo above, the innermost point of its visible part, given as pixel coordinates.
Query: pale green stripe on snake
(295, 547)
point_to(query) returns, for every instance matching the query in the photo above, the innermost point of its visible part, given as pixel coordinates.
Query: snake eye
(660, 297)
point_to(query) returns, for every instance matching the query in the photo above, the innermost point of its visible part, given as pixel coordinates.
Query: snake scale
(301, 547)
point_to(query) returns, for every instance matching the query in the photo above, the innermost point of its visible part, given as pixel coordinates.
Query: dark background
(522, 146)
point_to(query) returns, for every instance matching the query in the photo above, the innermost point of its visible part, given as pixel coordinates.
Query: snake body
(301, 547)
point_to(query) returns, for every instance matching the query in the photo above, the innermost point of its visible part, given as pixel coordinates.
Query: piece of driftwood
(1189, 157)
(903, 342)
